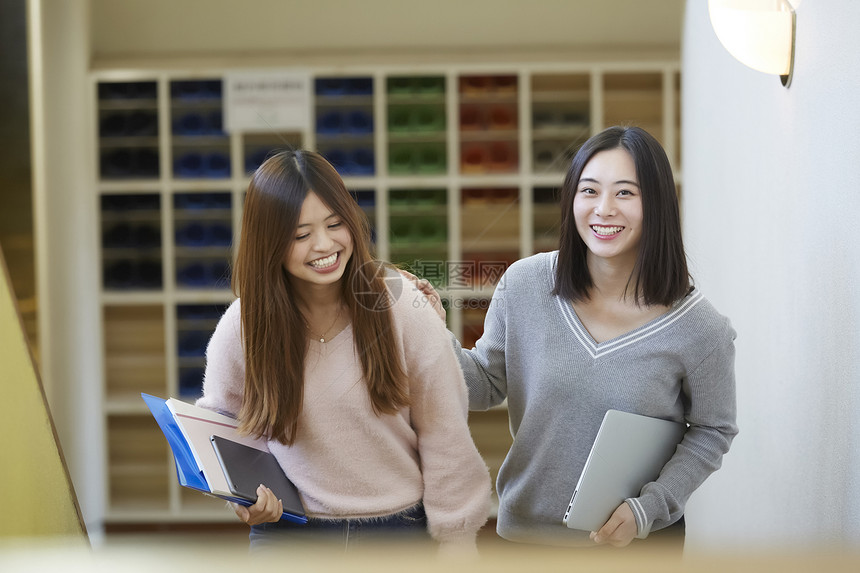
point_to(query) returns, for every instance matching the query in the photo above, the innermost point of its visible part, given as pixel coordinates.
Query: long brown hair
(660, 275)
(274, 332)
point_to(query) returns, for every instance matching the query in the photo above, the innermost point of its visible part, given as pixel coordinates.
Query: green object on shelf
(428, 118)
(399, 118)
(431, 159)
(408, 85)
(400, 158)
(423, 158)
(430, 84)
(430, 230)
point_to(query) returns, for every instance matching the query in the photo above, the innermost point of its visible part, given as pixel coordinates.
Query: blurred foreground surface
(166, 554)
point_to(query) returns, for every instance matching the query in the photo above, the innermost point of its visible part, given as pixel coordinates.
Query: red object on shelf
(474, 158)
(503, 156)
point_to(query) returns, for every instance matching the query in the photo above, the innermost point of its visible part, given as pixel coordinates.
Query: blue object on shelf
(219, 272)
(359, 86)
(188, 165)
(199, 201)
(216, 165)
(212, 88)
(219, 235)
(193, 343)
(190, 124)
(359, 121)
(200, 311)
(192, 201)
(204, 274)
(254, 159)
(193, 274)
(361, 162)
(365, 199)
(330, 86)
(191, 382)
(215, 123)
(331, 123)
(196, 89)
(337, 157)
(219, 200)
(191, 235)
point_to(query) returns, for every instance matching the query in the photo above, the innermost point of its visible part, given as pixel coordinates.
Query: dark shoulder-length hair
(274, 331)
(660, 275)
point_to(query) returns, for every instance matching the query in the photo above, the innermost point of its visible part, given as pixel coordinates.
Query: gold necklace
(322, 336)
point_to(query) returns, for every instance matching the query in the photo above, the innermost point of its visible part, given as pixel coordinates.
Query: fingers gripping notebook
(246, 468)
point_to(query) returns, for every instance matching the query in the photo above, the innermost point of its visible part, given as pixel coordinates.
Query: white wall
(772, 217)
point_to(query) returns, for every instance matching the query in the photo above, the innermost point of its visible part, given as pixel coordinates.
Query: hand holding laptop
(619, 531)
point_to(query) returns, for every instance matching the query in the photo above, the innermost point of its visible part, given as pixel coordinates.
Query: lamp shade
(758, 33)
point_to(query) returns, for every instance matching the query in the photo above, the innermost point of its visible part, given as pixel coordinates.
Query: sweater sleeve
(484, 366)
(224, 378)
(710, 391)
(456, 480)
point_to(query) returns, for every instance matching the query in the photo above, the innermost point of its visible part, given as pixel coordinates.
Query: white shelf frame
(524, 180)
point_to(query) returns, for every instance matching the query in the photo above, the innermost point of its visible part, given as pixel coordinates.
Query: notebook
(629, 451)
(246, 468)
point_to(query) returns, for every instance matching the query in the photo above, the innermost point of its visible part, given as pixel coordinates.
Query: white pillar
(66, 241)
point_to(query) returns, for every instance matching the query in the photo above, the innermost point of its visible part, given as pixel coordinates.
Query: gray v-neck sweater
(559, 383)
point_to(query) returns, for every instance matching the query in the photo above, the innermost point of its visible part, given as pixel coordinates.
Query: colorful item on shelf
(359, 161)
(197, 273)
(195, 123)
(196, 89)
(213, 165)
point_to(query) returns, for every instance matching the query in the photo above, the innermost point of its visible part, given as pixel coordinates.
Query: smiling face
(607, 207)
(321, 248)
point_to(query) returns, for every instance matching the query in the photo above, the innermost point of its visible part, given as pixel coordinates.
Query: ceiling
(171, 28)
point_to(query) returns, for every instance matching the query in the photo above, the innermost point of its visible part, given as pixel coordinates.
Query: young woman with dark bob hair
(355, 386)
(609, 321)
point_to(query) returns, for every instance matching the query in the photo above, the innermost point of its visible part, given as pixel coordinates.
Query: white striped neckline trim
(596, 350)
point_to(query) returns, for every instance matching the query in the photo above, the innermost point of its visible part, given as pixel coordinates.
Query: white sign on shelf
(267, 101)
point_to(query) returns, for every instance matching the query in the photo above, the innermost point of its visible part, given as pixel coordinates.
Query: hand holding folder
(190, 430)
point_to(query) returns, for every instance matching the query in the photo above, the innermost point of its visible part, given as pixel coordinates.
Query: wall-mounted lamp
(758, 33)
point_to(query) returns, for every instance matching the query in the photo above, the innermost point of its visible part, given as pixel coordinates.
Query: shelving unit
(457, 169)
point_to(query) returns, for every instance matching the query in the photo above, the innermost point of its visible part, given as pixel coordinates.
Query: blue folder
(187, 471)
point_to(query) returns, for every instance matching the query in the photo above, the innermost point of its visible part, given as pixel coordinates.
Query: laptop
(629, 451)
(246, 468)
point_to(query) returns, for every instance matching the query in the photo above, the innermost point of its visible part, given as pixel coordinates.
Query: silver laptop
(629, 451)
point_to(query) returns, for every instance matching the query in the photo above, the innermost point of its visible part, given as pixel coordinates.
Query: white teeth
(607, 230)
(324, 262)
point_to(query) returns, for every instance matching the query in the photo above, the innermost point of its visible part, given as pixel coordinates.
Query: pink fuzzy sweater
(349, 462)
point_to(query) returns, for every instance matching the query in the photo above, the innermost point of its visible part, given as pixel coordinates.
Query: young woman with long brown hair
(356, 387)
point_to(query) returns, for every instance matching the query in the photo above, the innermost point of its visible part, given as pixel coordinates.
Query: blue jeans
(409, 525)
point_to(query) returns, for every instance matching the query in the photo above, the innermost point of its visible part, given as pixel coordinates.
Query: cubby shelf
(456, 168)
